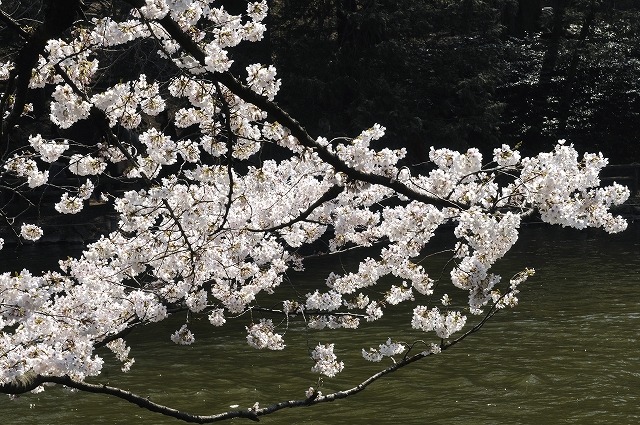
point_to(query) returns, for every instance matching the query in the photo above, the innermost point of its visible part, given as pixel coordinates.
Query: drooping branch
(36, 380)
(31, 381)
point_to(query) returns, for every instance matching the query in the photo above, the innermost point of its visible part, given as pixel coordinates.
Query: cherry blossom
(261, 335)
(31, 232)
(326, 361)
(386, 349)
(183, 336)
(210, 225)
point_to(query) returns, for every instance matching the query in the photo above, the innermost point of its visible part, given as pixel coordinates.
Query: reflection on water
(567, 355)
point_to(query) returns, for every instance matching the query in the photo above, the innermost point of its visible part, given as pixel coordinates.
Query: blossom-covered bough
(212, 220)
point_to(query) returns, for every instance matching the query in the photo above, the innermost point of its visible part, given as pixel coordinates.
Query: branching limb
(102, 121)
(252, 414)
(278, 114)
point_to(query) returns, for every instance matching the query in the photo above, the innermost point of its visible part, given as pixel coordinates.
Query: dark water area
(568, 354)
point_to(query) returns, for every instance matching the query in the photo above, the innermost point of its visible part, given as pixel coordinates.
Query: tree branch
(31, 381)
(279, 115)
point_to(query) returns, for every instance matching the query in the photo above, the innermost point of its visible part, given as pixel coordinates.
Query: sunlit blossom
(31, 232)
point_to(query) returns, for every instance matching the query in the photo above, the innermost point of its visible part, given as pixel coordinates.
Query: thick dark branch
(134, 323)
(150, 405)
(278, 114)
(253, 414)
(25, 383)
(306, 140)
(299, 132)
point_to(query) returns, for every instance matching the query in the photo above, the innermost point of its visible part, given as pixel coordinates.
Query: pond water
(567, 355)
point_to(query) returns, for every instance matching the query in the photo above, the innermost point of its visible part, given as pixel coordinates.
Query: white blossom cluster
(387, 349)
(326, 361)
(262, 80)
(578, 201)
(261, 335)
(49, 151)
(333, 322)
(216, 317)
(31, 232)
(121, 350)
(205, 232)
(50, 343)
(68, 107)
(23, 166)
(358, 154)
(86, 165)
(124, 102)
(74, 204)
(183, 336)
(444, 325)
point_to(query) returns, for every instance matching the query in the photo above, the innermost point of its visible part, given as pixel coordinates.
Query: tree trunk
(566, 98)
(466, 16)
(553, 45)
(529, 12)
(345, 25)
